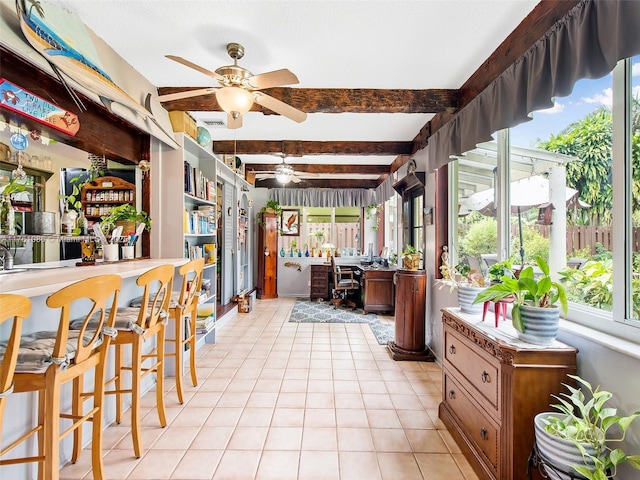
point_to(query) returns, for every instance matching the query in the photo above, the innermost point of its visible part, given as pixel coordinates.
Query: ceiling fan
(239, 88)
(284, 173)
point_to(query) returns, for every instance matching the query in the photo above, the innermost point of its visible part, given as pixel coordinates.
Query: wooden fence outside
(579, 237)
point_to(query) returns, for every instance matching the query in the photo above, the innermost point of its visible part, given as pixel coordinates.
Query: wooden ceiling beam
(318, 183)
(322, 168)
(298, 148)
(333, 100)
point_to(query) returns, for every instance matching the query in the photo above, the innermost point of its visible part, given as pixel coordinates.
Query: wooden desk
(378, 290)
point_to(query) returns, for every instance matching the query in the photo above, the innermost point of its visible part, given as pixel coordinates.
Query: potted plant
(499, 270)
(370, 211)
(126, 215)
(410, 257)
(319, 234)
(272, 206)
(7, 214)
(535, 312)
(468, 281)
(579, 438)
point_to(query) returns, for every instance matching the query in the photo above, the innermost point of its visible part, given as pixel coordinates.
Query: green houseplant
(465, 279)
(125, 213)
(536, 300)
(411, 257)
(499, 270)
(584, 422)
(272, 206)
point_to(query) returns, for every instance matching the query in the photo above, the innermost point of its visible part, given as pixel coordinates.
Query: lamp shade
(234, 100)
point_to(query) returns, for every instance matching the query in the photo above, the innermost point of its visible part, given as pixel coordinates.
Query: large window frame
(618, 322)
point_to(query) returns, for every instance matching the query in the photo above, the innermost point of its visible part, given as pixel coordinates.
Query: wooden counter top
(46, 278)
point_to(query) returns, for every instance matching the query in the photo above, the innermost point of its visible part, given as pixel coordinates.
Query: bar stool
(14, 308)
(49, 359)
(184, 312)
(135, 325)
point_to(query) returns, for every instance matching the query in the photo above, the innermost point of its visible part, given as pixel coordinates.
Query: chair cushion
(34, 354)
(173, 303)
(121, 323)
(347, 282)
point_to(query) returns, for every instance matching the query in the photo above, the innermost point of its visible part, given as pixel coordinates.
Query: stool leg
(485, 307)
(118, 383)
(136, 372)
(42, 410)
(76, 410)
(160, 377)
(497, 308)
(504, 311)
(97, 420)
(192, 348)
(52, 426)
(179, 336)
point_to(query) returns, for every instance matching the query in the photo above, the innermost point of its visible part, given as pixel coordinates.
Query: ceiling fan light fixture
(283, 176)
(234, 100)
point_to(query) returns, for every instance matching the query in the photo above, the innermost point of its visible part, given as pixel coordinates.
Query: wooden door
(268, 256)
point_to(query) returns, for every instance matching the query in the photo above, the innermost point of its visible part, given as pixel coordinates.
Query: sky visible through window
(587, 96)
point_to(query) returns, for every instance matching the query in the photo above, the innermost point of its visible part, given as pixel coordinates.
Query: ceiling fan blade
(186, 94)
(200, 69)
(273, 79)
(295, 179)
(233, 123)
(279, 107)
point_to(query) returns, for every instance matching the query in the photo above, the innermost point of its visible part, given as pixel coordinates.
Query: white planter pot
(560, 453)
(540, 324)
(466, 296)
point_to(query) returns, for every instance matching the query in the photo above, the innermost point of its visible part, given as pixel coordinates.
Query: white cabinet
(188, 226)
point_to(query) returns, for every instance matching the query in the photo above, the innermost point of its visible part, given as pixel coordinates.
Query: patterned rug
(307, 311)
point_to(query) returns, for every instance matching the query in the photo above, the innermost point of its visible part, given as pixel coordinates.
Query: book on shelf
(209, 253)
(196, 184)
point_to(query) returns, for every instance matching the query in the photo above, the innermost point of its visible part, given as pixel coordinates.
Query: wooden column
(409, 344)
(268, 256)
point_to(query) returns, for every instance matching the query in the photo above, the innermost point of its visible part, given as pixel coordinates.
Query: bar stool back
(49, 359)
(184, 312)
(14, 308)
(135, 325)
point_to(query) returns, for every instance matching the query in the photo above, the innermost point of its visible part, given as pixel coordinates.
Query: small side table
(500, 307)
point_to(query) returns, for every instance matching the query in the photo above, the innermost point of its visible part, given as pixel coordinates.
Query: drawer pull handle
(452, 349)
(485, 378)
(452, 394)
(483, 433)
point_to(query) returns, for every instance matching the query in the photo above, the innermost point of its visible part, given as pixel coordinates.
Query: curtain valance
(586, 43)
(323, 197)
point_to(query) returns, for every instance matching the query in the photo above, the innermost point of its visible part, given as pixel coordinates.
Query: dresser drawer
(481, 431)
(479, 372)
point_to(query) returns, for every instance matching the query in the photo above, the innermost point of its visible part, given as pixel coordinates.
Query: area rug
(307, 311)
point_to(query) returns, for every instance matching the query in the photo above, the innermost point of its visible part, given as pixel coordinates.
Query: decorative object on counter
(281, 252)
(297, 266)
(67, 223)
(307, 311)
(577, 439)
(111, 252)
(535, 312)
(88, 251)
(128, 252)
(306, 250)
(127, 216)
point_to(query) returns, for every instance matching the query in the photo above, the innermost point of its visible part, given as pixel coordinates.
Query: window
(577, 165)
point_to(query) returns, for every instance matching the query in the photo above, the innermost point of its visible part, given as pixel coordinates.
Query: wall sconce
(266, 251)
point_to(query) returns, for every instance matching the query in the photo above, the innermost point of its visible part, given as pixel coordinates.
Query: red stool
(500, 306)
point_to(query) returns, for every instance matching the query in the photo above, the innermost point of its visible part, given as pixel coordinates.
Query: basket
(183, 122)
(411, 261)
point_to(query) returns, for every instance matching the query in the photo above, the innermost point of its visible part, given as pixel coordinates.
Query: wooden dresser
(493, 386)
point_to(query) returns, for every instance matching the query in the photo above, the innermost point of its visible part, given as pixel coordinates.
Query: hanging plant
(370, 211)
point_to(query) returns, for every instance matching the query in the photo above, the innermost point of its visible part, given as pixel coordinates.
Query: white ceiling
(327, 44)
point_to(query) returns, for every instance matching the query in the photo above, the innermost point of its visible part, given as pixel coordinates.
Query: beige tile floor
(280, 400)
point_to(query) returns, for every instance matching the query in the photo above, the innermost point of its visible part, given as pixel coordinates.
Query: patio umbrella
(526, 193)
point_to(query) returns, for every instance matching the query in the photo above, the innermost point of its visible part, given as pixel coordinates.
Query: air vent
(215, 123)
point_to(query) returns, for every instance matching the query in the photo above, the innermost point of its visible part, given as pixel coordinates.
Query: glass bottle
(282, 252)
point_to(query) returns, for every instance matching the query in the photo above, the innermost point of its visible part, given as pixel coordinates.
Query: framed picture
(290, 222)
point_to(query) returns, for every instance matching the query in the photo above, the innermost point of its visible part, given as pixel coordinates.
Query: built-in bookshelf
(194, 206)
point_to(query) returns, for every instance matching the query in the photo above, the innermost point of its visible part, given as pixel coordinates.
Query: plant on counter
(533, 297)
(125, 213)
(460, 275)
(411, 257)
(583, 424)
(499, 270)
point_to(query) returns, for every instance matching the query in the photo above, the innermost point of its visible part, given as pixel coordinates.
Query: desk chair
(343, 283)
(184, 311)
(135, 325)
(48, 360)
(14, 308)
